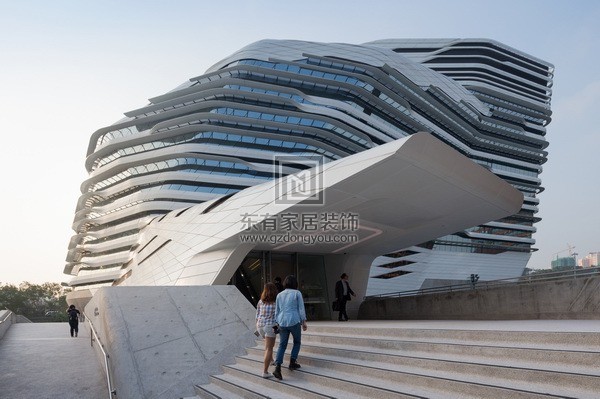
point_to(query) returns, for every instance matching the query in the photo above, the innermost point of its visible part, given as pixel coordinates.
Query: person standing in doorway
(343, 294)
(278, 284)
(73, 320)
(291, 318)
(265, 323)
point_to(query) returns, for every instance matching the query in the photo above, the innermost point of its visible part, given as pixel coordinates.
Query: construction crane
(570, 248)
(571, 252)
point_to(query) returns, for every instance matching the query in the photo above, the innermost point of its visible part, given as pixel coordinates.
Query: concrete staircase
(389, 360)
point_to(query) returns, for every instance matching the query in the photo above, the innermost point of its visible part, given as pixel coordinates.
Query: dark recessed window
(392, 274)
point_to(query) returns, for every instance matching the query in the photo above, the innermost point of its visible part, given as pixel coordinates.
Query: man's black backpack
(73, 315)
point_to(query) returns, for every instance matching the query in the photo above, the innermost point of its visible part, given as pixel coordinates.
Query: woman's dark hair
(343, 276)
(72, 307)
(290, 282)
(269, 293)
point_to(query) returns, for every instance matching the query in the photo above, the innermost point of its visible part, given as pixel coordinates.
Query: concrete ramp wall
(163, 340)
(566, 299)
(7, 319)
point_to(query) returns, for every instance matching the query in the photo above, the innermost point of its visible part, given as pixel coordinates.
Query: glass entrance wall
(248, 278)
(280, 265)
(260, 267)
(313, 285)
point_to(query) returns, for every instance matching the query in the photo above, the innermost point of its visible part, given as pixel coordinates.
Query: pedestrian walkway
(42, 361)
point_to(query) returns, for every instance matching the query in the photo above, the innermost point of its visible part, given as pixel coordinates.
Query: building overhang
(402, 193)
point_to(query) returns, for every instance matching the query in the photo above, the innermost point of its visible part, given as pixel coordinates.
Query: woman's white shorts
(266, 331)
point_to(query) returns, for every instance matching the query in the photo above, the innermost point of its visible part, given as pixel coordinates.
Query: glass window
(313, 285)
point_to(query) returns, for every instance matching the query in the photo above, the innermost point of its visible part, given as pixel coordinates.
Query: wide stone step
(528, 381)
(214, 391)
(565, 340)
(332, 384)
(477, 366)
(547, 354)
(248, 384)
(364, 379)
(586, 363)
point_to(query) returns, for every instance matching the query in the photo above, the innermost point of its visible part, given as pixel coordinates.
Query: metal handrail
(10, 313)
(528, 279)
(112, 393)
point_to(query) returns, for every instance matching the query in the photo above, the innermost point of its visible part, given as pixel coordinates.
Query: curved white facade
(217, 133)
(206, 243)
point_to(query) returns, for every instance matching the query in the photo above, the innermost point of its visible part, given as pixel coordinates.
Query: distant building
(590, 260)
(568, 261)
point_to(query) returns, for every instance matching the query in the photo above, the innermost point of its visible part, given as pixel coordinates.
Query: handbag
(335, 306)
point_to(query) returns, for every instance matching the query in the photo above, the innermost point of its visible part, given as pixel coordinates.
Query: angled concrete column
(163, 340)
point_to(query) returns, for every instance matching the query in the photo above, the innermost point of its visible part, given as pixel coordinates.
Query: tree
(45, 302)
(11, 298)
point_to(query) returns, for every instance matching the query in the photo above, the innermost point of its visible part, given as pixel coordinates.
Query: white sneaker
(266, 375)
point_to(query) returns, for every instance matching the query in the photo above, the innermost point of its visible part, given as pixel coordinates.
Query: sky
(69, 68)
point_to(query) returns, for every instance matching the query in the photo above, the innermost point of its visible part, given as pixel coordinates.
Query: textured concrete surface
(568, 299)
(42, 361)
(79, 298)
(163, 340)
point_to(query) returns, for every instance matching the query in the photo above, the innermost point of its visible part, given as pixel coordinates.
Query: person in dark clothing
(73, 320)
(278, 284)
(343, 294)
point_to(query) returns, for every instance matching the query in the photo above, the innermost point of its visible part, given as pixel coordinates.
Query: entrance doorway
(281, 265)
(260, 267)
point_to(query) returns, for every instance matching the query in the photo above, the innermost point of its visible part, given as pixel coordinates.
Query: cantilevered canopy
(407, 192)
(401, 193)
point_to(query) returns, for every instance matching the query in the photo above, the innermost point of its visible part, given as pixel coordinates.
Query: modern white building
(158, 176)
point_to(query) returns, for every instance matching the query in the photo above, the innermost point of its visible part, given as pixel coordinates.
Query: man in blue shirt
(291, 318)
